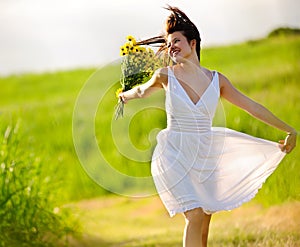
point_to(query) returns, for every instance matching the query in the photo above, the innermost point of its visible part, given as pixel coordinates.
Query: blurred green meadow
(42, 105)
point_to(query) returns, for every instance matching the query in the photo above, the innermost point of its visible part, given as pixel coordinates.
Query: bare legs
(196, 228)
(193, 228)
(205, 229)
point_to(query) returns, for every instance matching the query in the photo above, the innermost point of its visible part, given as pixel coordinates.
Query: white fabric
(197, 165)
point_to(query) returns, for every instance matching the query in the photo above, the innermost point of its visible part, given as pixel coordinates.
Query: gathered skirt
(215, 170)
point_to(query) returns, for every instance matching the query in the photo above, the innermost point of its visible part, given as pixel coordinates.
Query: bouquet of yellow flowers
(137, 66)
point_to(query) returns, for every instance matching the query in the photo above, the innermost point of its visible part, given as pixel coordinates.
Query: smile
(175, 53)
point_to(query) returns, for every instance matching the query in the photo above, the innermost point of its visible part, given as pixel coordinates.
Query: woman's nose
(171, 47)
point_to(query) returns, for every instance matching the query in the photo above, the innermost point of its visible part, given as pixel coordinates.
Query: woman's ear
(193, 43)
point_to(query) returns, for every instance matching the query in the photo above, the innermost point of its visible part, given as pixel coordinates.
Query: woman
(199, 169)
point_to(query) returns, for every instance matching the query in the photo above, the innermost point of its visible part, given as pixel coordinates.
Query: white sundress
(197, 165)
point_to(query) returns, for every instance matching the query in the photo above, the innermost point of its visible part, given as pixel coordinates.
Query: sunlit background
(66, 164)
(47, 35)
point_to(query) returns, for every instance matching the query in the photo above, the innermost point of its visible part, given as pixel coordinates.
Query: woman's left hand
(289, 143)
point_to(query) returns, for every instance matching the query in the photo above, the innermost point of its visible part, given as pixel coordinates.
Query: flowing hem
(172, 213)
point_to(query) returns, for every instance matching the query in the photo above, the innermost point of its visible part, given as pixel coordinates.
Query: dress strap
(215, 81)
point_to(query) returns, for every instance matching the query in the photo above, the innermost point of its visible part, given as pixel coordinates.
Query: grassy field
(266, 70)
(63, 114)
(127, 222)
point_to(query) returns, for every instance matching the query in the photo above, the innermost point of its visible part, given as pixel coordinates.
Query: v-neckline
(186, 94)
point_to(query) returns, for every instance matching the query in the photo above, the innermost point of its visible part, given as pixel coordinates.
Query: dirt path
(127, 222)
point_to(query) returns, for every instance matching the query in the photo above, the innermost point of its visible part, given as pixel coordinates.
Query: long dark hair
(176, 22)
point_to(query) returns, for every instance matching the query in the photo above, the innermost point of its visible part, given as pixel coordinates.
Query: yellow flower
(142, 49)
(133, 42)
(123, 51)
(131, 48)
(150, 50)
(127, 45)
(131, 39)
(119, 90)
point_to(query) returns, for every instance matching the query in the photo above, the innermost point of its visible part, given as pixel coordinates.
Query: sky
(49, 35)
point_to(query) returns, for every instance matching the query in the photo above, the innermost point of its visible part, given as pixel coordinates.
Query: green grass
(127, 222)
(28, 210)
(267, 70)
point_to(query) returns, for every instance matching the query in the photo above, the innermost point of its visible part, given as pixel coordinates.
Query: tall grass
(44, 103)
(267, 70)
(28, 213)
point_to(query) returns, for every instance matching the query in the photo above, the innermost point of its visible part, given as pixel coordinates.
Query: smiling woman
(199, 169)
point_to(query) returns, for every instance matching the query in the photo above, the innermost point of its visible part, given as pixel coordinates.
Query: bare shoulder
(231, 93)
(222, 77)
(207, 72)
(161, 76)
(223, 81)
(162, 72)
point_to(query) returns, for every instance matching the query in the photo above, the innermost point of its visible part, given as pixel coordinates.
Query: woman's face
(178, 47)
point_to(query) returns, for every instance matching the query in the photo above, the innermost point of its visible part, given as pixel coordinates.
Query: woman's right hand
(289, 143)
(122, 97)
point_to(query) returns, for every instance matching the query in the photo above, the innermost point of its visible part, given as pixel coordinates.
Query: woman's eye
(174, 42)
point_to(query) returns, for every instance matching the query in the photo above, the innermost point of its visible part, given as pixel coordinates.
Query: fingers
(288, 144)
(281, 145)
(122, 98)
(287, 148)
(284, 147)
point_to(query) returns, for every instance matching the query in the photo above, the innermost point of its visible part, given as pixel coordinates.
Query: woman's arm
(159, 78)
(230, 93)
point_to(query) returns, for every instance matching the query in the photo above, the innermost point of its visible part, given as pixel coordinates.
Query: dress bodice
(183, 114)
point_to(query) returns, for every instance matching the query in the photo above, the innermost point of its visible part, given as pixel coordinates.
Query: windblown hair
(176, 22)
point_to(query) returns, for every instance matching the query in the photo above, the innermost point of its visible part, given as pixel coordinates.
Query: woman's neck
(190, 64)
